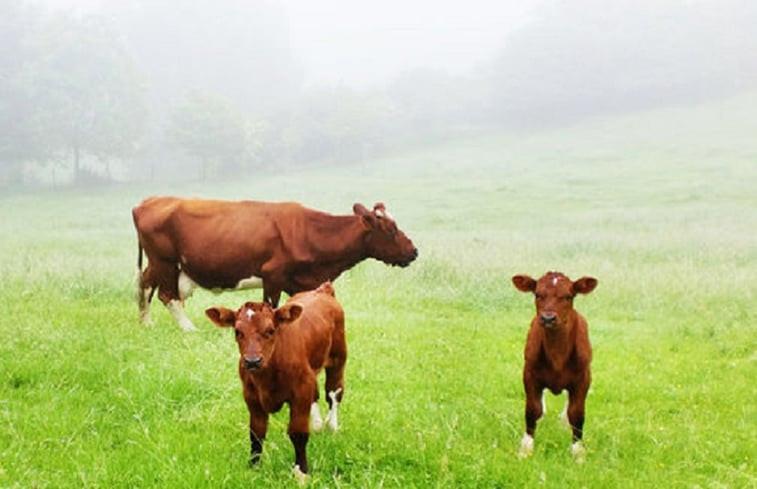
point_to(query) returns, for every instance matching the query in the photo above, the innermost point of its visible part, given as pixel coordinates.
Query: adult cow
(222, 245)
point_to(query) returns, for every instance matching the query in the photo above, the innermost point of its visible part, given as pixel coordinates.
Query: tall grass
(90, 398)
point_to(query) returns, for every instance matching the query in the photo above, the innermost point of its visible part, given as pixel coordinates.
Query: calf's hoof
(254, 460)
(526, 446)
(300, 476)
(578, 451)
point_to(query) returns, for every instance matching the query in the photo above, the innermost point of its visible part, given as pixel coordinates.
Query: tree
(209, 128)
(88, 97)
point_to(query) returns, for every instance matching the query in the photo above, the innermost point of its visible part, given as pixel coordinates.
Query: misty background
(96, 91)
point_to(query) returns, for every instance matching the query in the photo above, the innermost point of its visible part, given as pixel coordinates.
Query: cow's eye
(238, 333)
(269, 332)
(539, 297)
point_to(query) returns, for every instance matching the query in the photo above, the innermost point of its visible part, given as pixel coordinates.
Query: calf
(281, 352)
(557, 354)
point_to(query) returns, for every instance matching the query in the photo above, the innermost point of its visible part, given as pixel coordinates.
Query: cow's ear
(287, 313)
(584, 285)
(359, 210)
(368, 217)
(524, 283)
(221, 316)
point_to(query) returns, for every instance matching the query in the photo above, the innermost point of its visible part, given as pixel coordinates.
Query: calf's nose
(253, 363)
(548, 318)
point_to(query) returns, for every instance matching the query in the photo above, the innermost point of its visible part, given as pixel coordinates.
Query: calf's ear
(524, 283)
(287, 313)
(221, 316)
(584, 285)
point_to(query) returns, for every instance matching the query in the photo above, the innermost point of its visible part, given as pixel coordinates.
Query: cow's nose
(548, 318)
(253, 363)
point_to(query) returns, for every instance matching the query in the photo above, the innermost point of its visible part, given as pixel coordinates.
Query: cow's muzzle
(407, 261)
(253, 363)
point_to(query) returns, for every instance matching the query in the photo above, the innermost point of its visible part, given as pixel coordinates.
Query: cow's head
(256, 326)
(383, 238)
(554, 293)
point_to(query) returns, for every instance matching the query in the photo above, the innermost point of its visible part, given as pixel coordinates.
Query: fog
(370, 43)
(101, 90)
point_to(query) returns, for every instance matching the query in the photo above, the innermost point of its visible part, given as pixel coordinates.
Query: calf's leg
(534, 410)
(299, 412)
(335, 376)
(576, 407)
(258, 430)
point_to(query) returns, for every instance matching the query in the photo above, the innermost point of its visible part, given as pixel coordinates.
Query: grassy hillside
(660, 207)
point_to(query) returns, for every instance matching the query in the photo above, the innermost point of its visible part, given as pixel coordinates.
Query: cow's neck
(339, 241)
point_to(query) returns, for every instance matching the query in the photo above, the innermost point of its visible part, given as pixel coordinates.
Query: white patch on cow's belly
(244, 284)
(186, 285)
(250, 283)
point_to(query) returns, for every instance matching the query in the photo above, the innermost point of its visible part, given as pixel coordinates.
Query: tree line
(200, 89)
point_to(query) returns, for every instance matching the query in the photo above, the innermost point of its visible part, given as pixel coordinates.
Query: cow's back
(322, 317)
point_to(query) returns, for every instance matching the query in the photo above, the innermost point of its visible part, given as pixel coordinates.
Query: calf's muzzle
(548, 318)
(253, 363)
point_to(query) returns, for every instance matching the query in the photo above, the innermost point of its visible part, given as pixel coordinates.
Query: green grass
(665, 220)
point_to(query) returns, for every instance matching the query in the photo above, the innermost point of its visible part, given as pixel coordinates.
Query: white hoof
(146, 319)
(316, 421)
(526, 446)
(299, 475)
(578, 451)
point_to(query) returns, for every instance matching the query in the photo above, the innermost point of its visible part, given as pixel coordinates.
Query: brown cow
(237, 245)
(557, 354)
(281, 352)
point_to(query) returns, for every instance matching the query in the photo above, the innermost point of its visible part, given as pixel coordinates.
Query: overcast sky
(367, 42)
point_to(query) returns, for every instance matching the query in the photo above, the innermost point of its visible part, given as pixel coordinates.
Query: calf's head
(256, 326)
(384, 240)
(554, 293)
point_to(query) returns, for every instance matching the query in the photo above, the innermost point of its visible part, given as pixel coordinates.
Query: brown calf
(557, 354)
(281, 352)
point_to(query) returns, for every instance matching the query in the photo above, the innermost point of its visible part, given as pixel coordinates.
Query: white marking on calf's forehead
(250, 313)
(554, 281)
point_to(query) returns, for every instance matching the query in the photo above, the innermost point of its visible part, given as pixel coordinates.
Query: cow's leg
(576, 406)
(335, 375)
(258, 429)
(167, 274)
(271, 294)
(316, 421)
(564, 413)
(145, 289)
(299, 412)
(534, 410)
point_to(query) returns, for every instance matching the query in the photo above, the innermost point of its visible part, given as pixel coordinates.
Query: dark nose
(415, 253)
(548, 318)
(253, 363)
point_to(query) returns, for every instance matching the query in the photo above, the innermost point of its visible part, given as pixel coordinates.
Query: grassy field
(660, 207)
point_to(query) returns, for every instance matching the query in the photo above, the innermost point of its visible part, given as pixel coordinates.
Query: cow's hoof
(578, 451)
(526, 446)
(299, 475)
